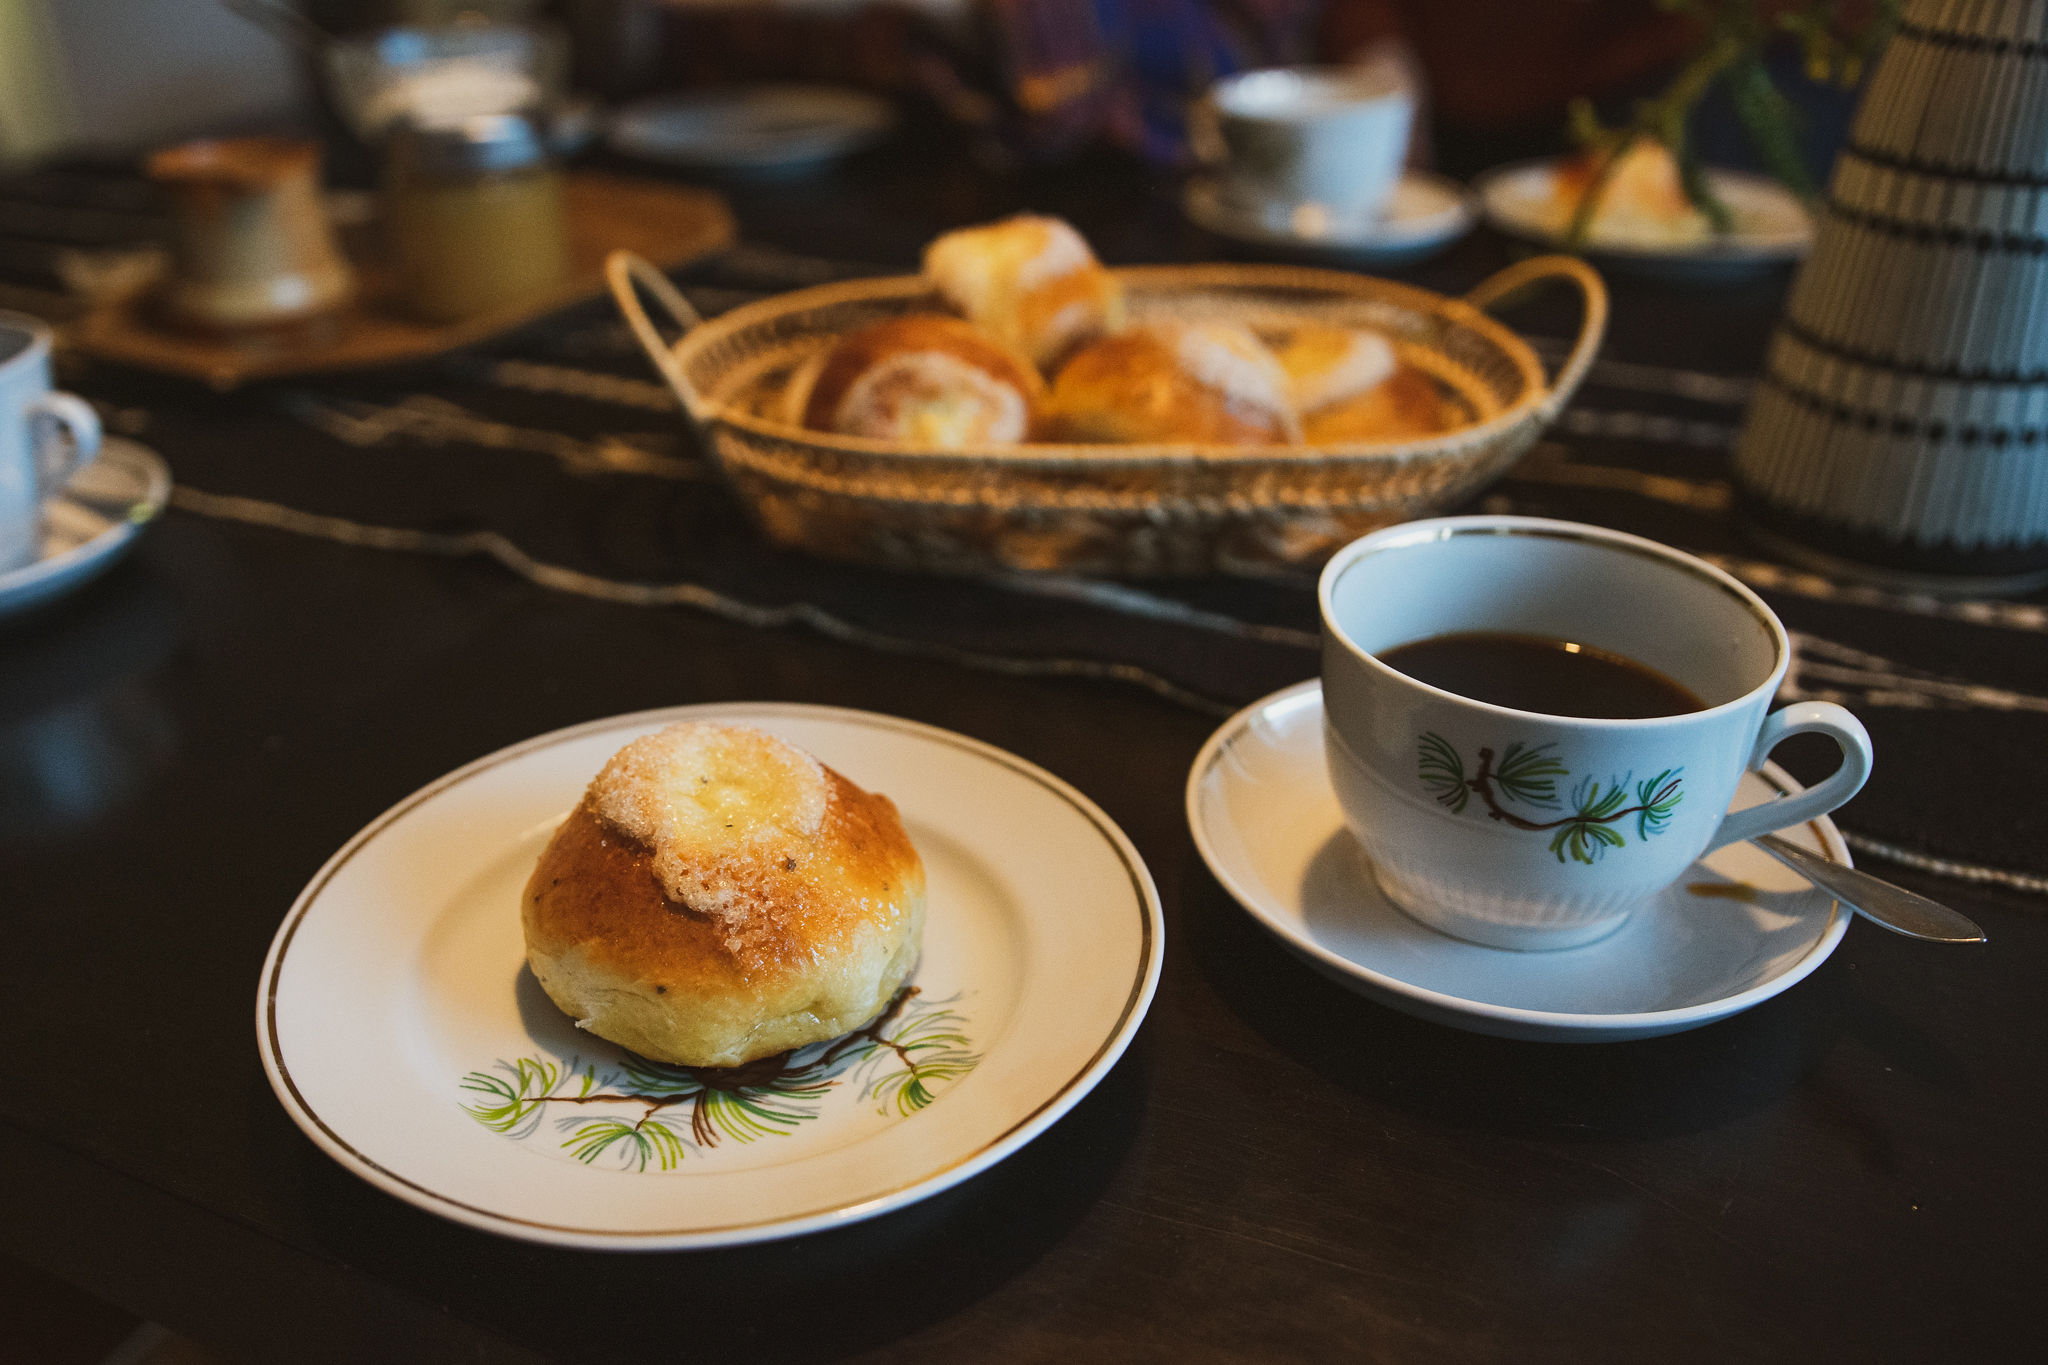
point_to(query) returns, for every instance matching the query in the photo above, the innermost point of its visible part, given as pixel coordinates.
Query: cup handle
(81, 427)
(1817, 717)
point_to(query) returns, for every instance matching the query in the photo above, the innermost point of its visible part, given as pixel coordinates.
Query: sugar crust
(719, 807)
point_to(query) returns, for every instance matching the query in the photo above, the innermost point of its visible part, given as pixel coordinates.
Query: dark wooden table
(1277, 1170)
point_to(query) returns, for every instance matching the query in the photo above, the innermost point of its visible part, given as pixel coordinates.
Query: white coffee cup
(1331, 137)
(44, 437)
(1520, 830)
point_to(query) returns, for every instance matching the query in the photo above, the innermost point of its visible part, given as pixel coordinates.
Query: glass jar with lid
(474, 207)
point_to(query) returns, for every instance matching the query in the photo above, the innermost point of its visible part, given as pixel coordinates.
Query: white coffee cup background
(1333, 137)
(45, 436)
(1504, 827)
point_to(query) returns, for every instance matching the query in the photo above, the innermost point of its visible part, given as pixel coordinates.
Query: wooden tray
(669, 225)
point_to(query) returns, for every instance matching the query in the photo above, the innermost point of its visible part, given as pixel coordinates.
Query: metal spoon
(1878, 901)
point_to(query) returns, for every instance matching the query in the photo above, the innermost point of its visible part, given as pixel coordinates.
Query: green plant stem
(1663, 119)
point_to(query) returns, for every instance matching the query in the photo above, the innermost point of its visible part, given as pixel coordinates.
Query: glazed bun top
(979, 268)
(1328, 364)
(1030, 281)
(1205, 382)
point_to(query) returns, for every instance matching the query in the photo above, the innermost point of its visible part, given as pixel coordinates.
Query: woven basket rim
(1520, 409)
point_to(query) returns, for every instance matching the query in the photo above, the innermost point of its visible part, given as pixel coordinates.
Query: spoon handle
(1878, 901)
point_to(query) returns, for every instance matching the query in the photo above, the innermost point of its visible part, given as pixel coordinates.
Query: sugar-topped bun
(922, 379)
(1206, 382)
(1029, 281)
(1328, 364)
(720, 895)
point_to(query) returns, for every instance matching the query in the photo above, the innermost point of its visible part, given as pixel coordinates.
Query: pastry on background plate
(1208, 383)
(923, 379)
(719, 896)
(1029, 281)
(1643, 202)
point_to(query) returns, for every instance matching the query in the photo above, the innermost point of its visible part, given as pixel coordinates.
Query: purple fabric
(1126, 70)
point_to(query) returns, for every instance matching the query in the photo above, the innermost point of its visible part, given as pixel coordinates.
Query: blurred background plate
(1771, 228)
(760, 129)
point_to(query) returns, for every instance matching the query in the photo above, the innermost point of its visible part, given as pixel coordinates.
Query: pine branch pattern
(907, 1071)
(1527, 777)
(903, 1061)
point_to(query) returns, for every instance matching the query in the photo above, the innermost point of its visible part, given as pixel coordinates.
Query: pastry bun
(923, 379)
(1204, 382)
(1644, 200)
(1406, 406)
(1029, 281)
(719, 895)
(1328, 364)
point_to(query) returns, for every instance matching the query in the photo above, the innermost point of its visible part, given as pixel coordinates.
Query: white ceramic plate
(764, 128)
(1733, 932)
(91, 523)
(401, 1030)
(1771, 226)
(1426, 214)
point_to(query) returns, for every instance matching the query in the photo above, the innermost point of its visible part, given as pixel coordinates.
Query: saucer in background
(91, 523)
(1426, 213)
(1734, 931)
(762, 129)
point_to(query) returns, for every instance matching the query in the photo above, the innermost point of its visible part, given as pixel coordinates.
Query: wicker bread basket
(1116, 509)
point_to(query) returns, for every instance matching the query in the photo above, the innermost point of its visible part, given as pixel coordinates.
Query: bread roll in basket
(1116, 509)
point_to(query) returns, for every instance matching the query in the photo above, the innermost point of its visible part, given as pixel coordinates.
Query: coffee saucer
(1426, 214)
(90, 523)
(1732, 932)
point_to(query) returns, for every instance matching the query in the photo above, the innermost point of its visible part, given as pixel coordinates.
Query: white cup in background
(1333, 137)
(44, 437)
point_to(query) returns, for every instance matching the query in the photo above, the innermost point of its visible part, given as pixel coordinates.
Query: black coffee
(1542, 674)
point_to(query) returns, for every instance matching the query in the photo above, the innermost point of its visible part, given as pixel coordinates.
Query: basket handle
(629, 274)
(1592, 314)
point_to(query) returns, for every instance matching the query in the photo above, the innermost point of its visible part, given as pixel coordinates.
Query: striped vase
(1902, 423)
